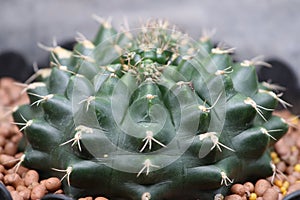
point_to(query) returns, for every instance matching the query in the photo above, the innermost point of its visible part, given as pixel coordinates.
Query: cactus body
(149, 115)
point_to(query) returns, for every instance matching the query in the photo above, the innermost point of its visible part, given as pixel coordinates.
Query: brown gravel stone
(32, 185)
(289, 170)
(13, 180)
(20, 188)
(276, 188)
(4, 99)
(249, 187)
(281, 166)
(10, 171)
(38, 192)
(43, 182)
(270, 194)
(294, 188)
(25, 194)
(16, 196)
(4, 130)
(22, 171)
(292, 179)
(298, 143)
(7, 161)
(281, 148)
(261, 186)
(15, 139)
(238, 189)
(52, 184)
(280, 196)
(2, 169)
(2, 140)
(10, 148)
(296, 175)
(30, 177)
(10, 188)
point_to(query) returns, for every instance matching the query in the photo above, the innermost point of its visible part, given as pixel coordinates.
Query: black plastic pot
(293, 196)
(4, 193)
(56, 197)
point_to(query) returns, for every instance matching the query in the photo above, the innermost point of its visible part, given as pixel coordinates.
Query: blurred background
(254, 27)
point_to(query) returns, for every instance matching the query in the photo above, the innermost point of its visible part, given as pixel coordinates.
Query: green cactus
(149, 114)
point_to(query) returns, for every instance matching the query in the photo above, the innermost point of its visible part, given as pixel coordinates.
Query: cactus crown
(148, 114)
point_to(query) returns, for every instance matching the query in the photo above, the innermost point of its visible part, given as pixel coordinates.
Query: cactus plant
(148, 114)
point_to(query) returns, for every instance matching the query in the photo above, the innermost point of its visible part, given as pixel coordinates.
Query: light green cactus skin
(145, 85)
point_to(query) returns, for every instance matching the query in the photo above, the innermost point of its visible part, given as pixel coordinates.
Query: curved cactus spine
(151, 115)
